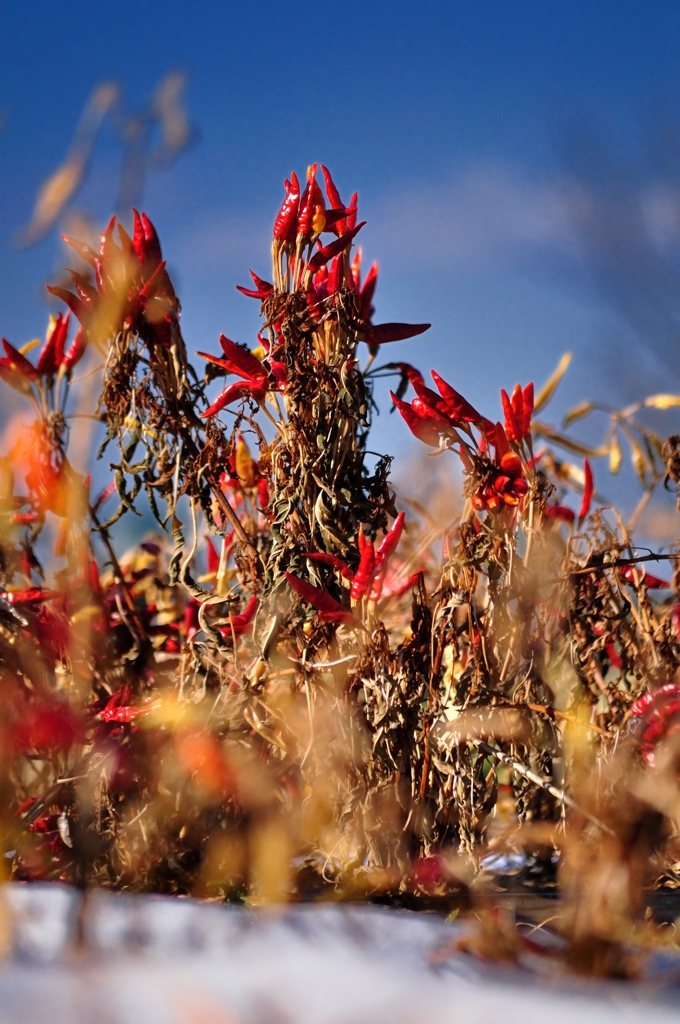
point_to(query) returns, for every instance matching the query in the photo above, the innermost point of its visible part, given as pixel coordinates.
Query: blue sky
(515, 161)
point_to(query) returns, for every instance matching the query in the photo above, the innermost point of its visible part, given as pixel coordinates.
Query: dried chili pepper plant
(300, 682)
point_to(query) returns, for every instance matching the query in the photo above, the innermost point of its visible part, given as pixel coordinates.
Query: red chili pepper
(381, 334)
(239, 623)
(45, 824)
(333, 248)
(487, 428)
(513, 429)
(396, 589)
(191, 623)
(654, 697)
(517, 402)
(84, 289)
(25, 805)
(52, 354)
(320, 277)
(151, 287)
(384, 553)
(84, 251)
(126, 246)
(354, 272)
(651, 582)
(366, 295)
(423, 430)
(14, 379)
(138, 238)
(76, 305)
(528, 405)
(103, 496)
(264, 288)
(145, 240)
(613, 655)
(409, 375)
(336, 274)
(255, 389)
(29, 595)
(363, 577)
(509, 490)
(431, 398)
(331, 191)
(47, 726)
(311, 218)
(213, 557)
(500, 442)
(440, 423)
(658, 722)
(18, 362)
(587, 491)
(262, 493)
(285, 225)
(511, 464)
(559, 512)
(75, 352)
(656, 715)
(458, 407)
(122, 714)
(335, 220)
(332, 560)
(353, 205)
(245, 363)
(279, 372)
(217, 361)
(93, 577)
(238, 360)
(106, 244)
(327, 606)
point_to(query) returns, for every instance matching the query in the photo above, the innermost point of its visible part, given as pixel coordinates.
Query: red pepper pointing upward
(528, 406)
(331, 191)
(312, 215)
(587, 491)
(52, 354)
(285, 225)
(457, 407)
(513, 428)
(387, 548)
(363, 577)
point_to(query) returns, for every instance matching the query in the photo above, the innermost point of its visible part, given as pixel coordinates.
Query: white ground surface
(156, 960)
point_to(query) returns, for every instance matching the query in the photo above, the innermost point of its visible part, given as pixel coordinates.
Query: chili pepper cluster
(443, 418)
(131, 286)
(655, 718)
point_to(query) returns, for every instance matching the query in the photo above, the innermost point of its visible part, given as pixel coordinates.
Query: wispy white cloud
(488, 215)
